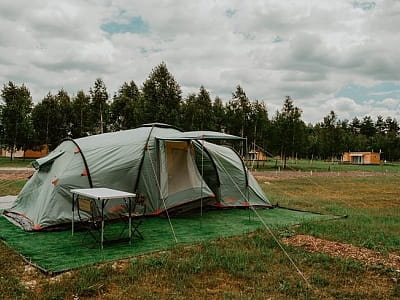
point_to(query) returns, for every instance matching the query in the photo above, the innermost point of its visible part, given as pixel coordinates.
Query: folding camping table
(100, 197)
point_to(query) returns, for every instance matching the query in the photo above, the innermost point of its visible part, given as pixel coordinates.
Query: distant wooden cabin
(257, 155)
(361, 158)
(255, 159)
(29, 154)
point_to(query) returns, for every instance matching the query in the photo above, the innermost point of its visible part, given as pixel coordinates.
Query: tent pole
(245, 150)
(84, 160)
(163, 200)
(202, 178)
(248, 199)
(135, 187)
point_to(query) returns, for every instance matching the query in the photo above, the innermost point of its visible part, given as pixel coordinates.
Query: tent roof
(160, 125)
(200, 135)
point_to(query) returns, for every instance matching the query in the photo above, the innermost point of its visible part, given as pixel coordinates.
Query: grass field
(250, 266)
(18, 162)
(11, 187)
(272, 165)
(322, 166)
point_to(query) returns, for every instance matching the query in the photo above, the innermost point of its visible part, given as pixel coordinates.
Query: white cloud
(391, 103)
(322, 47)
(347, 108)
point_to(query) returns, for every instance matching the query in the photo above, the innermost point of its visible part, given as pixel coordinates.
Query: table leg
(130, 219)
(73, 213)
(102, 223)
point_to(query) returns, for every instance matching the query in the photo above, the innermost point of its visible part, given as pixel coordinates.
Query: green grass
(58, 251)
(16, 163)
(249, 266)
(323, 166)
(11, 187)
(10, 284)
(372, 204)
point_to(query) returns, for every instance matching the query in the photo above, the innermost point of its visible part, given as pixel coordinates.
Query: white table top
(102, 193)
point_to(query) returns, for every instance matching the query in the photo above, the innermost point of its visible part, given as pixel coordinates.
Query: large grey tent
(171, 169)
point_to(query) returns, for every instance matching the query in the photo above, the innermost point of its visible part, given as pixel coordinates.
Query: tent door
(180, 168)
(181, 181)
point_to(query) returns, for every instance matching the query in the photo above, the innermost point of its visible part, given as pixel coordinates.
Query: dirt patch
(15, 173)
(13, 176)
(271, 175)
(337, 249)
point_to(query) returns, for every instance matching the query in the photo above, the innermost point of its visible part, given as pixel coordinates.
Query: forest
(25, 125)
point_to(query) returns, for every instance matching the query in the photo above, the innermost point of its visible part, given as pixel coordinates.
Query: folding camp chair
(92, 223)
(137, 213)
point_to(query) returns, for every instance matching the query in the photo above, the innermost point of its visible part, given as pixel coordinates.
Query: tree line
(24, 125)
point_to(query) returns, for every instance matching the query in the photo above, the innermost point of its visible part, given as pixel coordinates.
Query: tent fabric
(7, 202)
(201, 135)
(146, 161)
(237, 186)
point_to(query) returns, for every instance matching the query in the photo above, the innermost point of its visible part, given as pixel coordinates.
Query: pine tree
(367, 127)
(238, 113)
(81, 113)
(65, 106)
(46, 119)
(203, 113)
(188, 109)
(125, 108)
(162, 97)
(290, 129)
(259, 128)
(219, 115)
(330, 136)
(15, 116)
(100, 106)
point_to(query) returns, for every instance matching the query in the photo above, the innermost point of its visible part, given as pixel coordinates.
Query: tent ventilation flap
(47, 160)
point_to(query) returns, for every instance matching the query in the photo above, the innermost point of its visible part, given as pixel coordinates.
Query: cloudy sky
(327, 55)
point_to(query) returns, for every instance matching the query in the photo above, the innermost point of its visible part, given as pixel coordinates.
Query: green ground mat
(59, 251)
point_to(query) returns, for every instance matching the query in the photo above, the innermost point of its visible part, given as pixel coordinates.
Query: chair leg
(137, 233)
(135, 229)
(91, 230)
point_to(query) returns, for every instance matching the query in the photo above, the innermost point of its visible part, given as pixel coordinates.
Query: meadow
(250, 266)
(305, 165)
(6, 162)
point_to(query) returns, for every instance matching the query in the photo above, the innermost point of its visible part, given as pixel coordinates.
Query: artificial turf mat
(59, 251)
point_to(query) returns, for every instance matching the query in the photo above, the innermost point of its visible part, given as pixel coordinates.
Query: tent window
(180, 167)
(45, 162)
